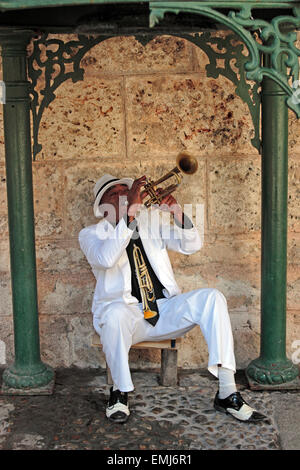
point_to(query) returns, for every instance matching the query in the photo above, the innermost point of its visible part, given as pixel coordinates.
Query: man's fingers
(138, 182)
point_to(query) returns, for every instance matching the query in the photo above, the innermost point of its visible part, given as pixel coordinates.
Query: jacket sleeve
(105, 251)
(181, 239)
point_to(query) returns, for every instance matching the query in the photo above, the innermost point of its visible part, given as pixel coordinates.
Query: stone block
(54, 344)
(169, 113)
(246, 336)
(237, 249)
(293, 287)
(234, 195)
(294, 194)
(65, 293)
(5, 295)
(66, 341)
(293, 334)
(4, 256)
(3, 227)
(168, 376)
(126, 55)
(2, 148)
(79, 181)
(6, 339)
(294, 133)
(3, 192)
(239, 283)
(60, 256)
(193, 352)
(293, 248)
(48, 199)
(84, 121)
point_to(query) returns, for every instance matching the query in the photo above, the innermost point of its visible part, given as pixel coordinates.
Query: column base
(18, 381)
(269, 375)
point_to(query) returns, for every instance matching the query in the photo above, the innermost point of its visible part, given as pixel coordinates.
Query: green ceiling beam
(16, 4)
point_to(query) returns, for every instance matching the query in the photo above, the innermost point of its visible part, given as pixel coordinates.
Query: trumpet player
(137, 298)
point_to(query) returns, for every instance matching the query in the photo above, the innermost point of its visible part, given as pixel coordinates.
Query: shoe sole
(219, 408)
(119, 419)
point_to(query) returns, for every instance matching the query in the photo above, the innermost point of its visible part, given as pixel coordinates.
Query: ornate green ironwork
(274, 38)
(229, 50)
(51, 57)
(59, 55)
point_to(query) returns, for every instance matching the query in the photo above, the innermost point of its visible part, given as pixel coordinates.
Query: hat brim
(127, 181)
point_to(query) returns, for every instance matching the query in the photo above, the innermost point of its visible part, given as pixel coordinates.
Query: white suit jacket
(105, 249)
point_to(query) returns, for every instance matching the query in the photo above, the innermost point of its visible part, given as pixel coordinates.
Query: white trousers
(121, 325)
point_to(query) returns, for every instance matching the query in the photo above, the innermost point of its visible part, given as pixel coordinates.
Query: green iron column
(28, 371)
(272, 369)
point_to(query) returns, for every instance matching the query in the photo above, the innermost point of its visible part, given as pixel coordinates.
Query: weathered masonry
(268, 30)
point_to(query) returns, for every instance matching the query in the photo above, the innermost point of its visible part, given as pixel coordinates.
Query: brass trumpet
(185, 163)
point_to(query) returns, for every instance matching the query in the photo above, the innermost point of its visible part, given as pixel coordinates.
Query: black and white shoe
(117, 409)
(236, 406)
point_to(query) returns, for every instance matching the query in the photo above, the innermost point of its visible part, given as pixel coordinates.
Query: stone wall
(137, 107)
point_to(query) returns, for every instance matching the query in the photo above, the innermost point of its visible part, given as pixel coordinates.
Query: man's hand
(135, 197)
(169, 204)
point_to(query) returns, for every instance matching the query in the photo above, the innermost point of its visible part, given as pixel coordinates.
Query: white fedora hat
(102, 185)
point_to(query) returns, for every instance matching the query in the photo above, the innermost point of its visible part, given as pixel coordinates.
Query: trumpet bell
(186, 163)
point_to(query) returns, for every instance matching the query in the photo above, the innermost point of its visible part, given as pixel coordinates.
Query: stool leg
(109, 379)
(168, 373)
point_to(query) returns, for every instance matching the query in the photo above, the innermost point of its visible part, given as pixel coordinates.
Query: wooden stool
(168, 347)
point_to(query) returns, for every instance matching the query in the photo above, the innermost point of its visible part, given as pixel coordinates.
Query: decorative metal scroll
(61, 60)
(57, 61)
(275, 39)
(224, 53)
(54, 61)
